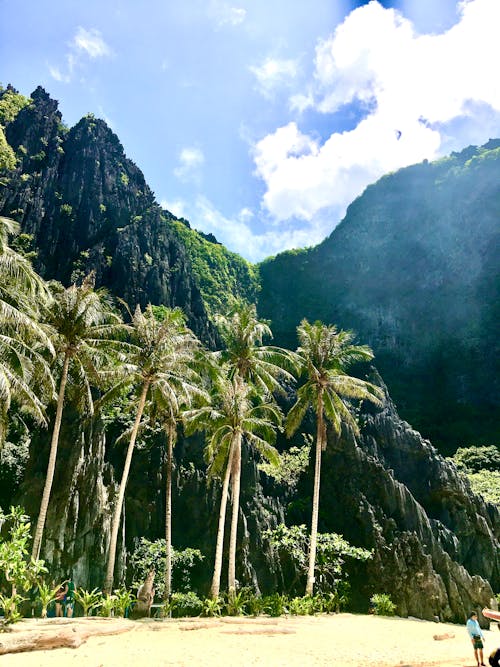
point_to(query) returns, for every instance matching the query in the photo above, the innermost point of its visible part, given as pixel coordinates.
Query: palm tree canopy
(233, 412)
(326, 353)
(263, 365)
(24, 372)
(84, 326)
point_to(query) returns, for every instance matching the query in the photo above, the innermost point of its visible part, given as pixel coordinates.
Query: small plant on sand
(276, 605)
(124, 599)
(10, 607)
(89, 600)
(107, 605)
(236, 603)
(46, 594)
(212, 607)
(382, 604)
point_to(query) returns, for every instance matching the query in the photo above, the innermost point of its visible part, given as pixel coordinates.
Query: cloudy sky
(261, 120)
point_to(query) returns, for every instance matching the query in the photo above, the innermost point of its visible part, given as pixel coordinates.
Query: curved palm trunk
(320, 435)
(235, 493)
(108, 582)
(214, 590)
(44, 505)
(168, 513)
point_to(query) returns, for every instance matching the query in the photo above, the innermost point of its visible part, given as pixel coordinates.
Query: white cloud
(422, 94)
(85, 44)
(176, 206)
(274, 73)
(90, 42)
(237, 234)
(225, 15)
(191, 159)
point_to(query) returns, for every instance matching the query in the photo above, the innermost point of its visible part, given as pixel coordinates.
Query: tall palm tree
(162, 351)
(23, 341)
(253, 365)
(169, 398)
(326, 354)
(84, 330)
(232, 417)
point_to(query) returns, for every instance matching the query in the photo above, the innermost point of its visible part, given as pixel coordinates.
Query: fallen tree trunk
(46, 635)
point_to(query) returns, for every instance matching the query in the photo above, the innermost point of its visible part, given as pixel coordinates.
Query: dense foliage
(481, 465)
(222, 275)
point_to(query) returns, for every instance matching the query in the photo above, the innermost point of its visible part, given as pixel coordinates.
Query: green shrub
(276, 605)
(186, 604)
(382, 604)
(212, 607)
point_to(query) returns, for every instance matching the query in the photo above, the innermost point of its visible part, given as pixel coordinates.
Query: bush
(476, 458)
(382, 604)
(186, 604)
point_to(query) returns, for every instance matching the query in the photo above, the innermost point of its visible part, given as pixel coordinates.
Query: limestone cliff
(88, 207)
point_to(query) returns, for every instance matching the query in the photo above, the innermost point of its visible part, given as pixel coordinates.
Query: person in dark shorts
(477, 638)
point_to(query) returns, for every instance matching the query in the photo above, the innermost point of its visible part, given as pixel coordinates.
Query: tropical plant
(236, 603)
(10, 605)
(326, 353)
(16, 568)
(88, 600)
(276, 605)
(382, 604)
(158, 363)
(123, 600)
(84, 329)
(262, 366)
(107, 605)
(230, 418)
(46, 594)
(212, 607)
(24, 372)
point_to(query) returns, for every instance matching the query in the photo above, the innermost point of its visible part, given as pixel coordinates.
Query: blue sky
(261, 120)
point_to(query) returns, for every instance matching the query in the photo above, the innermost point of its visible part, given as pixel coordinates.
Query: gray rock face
(88, 207)
(436, 545)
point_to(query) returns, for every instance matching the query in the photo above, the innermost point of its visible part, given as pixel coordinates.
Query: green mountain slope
(414, 269)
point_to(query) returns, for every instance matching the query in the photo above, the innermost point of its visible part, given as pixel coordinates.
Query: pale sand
(345, 640)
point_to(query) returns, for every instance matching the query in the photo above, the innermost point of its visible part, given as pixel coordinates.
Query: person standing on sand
(477, 638)
(60, 595)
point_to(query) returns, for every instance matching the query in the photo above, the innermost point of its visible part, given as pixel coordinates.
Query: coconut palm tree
(84, 329)
(326, 354)
(24, 372)
(162, 351)
(259, 368)
(264, 366)
(233, 416)
(169, 398)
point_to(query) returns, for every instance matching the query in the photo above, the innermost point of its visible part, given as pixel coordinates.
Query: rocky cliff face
(88, 207)
(414, 270)
(436, 545)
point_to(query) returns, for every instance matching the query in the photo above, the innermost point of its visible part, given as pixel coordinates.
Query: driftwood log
(35, 635)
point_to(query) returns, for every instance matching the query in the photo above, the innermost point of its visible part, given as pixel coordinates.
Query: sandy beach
(344, 639)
